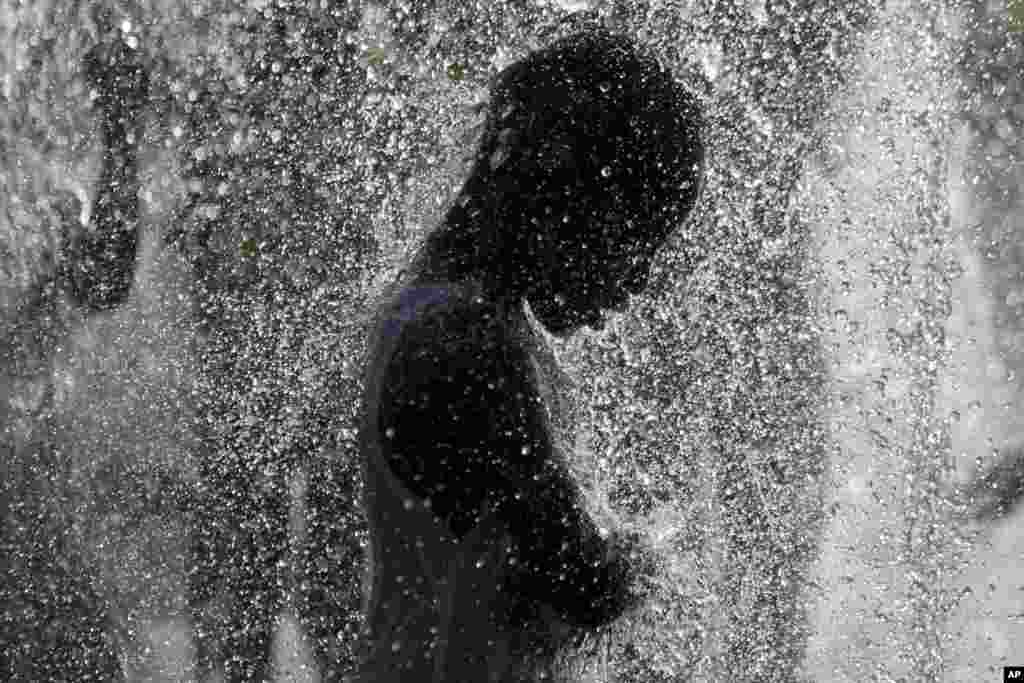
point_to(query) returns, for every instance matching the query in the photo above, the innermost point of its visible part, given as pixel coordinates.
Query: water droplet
(408, 503)
(389, 432)
(605, 86)
(456, 71)
(606, 171)
(498, 157)
(248, 248)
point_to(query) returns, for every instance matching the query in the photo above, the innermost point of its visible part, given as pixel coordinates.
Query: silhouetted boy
(590, 157)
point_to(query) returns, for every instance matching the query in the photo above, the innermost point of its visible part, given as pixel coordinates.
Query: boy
(479, 550)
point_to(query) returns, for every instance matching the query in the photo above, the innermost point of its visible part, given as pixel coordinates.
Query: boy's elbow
(590, 597)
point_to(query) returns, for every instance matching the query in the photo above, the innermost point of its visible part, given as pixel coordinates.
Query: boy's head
(591, 155)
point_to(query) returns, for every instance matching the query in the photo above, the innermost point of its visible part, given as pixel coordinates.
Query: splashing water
(803, 491)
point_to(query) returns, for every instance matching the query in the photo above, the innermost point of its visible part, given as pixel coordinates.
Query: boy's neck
(440, 268)
(453, 253)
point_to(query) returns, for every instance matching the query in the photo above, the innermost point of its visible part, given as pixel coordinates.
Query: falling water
(797, 425)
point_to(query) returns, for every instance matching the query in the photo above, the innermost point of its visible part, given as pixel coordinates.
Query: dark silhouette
(480, 553)
(99, 263)
(54, 626)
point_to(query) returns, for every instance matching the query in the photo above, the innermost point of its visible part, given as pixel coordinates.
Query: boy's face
(591, 283)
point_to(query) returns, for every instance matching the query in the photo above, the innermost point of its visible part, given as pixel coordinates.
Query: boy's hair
(591, 126)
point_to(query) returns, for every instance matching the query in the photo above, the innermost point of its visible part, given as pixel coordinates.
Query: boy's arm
(99, 262)
(464, 426)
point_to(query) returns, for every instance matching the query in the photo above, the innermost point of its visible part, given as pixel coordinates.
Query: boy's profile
(591, 156)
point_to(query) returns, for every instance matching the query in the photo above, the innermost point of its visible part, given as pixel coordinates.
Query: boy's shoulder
(437, 315)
